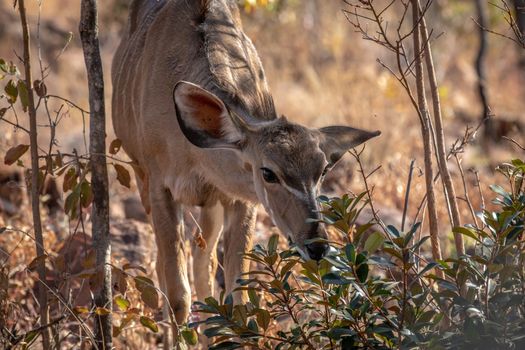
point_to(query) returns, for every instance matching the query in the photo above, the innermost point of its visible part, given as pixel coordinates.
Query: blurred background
(321, 72)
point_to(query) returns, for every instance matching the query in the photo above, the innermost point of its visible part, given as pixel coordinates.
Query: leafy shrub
(379, 291)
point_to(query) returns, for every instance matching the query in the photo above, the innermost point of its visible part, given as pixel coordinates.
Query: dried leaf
(80, 310)
(70, 179)
(200, 241)
(40, 88)
(135, 267)
(120, 282)
(148, 293)
(114, 146)
(122, 175)
(263, 318)
(13, 154)
(36, 262)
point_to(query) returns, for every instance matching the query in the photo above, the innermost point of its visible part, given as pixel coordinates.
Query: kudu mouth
(315, 250)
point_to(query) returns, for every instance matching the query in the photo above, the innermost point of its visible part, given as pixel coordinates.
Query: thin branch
(35, 190)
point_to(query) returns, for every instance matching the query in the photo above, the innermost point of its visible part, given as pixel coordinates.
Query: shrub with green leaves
(378, 291)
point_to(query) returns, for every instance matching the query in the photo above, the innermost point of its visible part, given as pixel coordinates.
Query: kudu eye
(269, 176)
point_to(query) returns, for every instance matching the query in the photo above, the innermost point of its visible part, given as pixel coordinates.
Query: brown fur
(192, 108)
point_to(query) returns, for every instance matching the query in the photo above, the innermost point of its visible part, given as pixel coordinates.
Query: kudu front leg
(205, 260)
(168, 224)
(238, 232)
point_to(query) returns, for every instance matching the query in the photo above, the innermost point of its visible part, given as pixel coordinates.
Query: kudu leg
(205, 260)
(171, 266)
(238, 232)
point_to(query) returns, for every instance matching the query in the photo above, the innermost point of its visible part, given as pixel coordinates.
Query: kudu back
(192, 108)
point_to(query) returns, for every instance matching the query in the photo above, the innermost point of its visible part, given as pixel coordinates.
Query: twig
(465, 190)
(407, 193)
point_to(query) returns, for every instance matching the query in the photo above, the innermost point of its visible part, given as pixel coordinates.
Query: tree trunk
(99, 178)
(35, 185)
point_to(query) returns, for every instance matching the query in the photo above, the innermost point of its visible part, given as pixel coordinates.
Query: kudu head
(288, 161)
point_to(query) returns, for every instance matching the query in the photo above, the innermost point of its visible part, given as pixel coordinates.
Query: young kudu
(192, 108)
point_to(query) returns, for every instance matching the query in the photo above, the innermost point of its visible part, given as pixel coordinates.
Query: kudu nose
(317, 250)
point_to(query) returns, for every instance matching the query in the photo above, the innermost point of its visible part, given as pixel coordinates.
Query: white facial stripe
(267, 205)
(296, 192)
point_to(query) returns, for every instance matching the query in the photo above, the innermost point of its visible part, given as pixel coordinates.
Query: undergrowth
(380, 291)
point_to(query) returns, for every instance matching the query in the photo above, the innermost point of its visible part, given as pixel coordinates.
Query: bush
(377, 291)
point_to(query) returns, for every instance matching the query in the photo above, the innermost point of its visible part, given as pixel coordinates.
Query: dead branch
(426, 133)
(35, 186)
(88, 28)
(450, 192)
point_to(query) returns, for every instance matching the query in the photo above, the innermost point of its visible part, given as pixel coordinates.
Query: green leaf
(350, 253)
(362, 272)
(337, 333)
(272, 244)
(14, 153)
(190, 336)
(122, 303)
(86, 194)
(374, 242)
(23, 93)
(392, 231)
(11, 91)
(411, 233)
(149, 323)
(466, 232)
(254, 298)
(289, 265)
(333, 278)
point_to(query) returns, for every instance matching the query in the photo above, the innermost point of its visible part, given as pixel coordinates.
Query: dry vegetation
(321, 72)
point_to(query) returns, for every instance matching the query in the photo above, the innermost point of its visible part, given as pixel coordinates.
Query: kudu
(192, 108)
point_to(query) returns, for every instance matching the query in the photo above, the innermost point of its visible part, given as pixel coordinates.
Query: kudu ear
(203, 118)
(337, 140)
